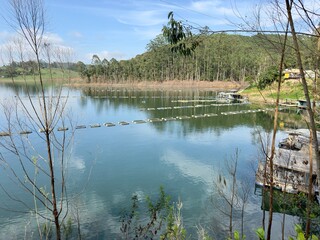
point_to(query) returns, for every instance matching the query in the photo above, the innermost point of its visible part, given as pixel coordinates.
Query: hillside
(219, 57)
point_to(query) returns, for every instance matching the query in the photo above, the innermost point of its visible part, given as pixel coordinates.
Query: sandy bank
(167, 85)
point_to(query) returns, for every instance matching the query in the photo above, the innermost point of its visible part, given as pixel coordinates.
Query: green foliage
(161, 213)
(175, 229)
(213, 57)
(179, 37)
(260, 233)
(47, 230)
(67, 228)
(156, 44)
(236, 236)
(268, 77)
(301, 235)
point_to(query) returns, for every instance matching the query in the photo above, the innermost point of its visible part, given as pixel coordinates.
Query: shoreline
(172, 85)
(167, 85)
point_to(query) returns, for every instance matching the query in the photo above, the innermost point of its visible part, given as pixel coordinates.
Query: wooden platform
(291, 165)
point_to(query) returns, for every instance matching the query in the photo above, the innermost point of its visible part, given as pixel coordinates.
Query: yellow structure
(291, 74)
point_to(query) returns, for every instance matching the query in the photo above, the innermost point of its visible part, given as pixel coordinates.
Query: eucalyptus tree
(45, 156)
(105, 65)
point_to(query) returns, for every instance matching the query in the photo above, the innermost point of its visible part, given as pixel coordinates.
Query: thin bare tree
(44, 111)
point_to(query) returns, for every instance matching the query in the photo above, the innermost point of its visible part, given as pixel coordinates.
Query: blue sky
(122, 28)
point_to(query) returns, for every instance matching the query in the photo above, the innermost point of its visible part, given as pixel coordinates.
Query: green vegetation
(270, 75)
(291, 90)
(166, 222)
(225, 57)
(26, 72)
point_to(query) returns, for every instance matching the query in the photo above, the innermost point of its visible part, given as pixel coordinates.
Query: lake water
(108, 165)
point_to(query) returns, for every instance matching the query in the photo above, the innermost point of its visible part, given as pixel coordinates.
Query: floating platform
(109, 124)
(154, 120)
(199, 116)
(123, 123)
(25, 132)
(164, 108)
(291, 165)
(211, 114)
(169, 119)
(4, 134)
(81, 126)
(41, 130)
(96, 125)
(60, 129)
(139, 121)
(183, 117)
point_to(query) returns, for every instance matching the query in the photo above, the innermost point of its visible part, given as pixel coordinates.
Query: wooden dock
(291, 165)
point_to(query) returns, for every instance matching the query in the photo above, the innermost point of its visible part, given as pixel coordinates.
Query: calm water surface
(108, 165)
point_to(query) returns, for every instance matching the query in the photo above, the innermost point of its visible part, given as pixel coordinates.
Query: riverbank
(290, 90)
(167, 85)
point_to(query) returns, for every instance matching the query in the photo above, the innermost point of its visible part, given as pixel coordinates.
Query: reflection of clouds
(191, 168)
(201, 138)
(77, 163)
(140, 194)
(200, 172)
(95, 215)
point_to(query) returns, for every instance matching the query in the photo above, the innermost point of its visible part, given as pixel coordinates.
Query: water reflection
(109, 164)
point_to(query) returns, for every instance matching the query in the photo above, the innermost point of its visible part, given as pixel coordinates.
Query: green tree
(268, 77)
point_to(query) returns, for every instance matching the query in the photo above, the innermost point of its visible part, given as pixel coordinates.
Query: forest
(224, 57)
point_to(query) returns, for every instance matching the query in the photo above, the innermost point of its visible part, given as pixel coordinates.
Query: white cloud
(141, 18)
(212, 7)
(15, 47)
(4, 34)
(147, 33)
(76, 34)
(189, 167)
(78, 164)
(52, 38)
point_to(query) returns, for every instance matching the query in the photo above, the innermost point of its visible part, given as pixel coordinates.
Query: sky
(121, 29)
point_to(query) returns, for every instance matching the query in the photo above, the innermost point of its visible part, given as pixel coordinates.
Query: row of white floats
(151, 120)
(192, 106)
(128, 97)
(153, 97)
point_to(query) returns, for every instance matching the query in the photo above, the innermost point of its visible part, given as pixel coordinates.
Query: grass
(290, 89)
(57, 74)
